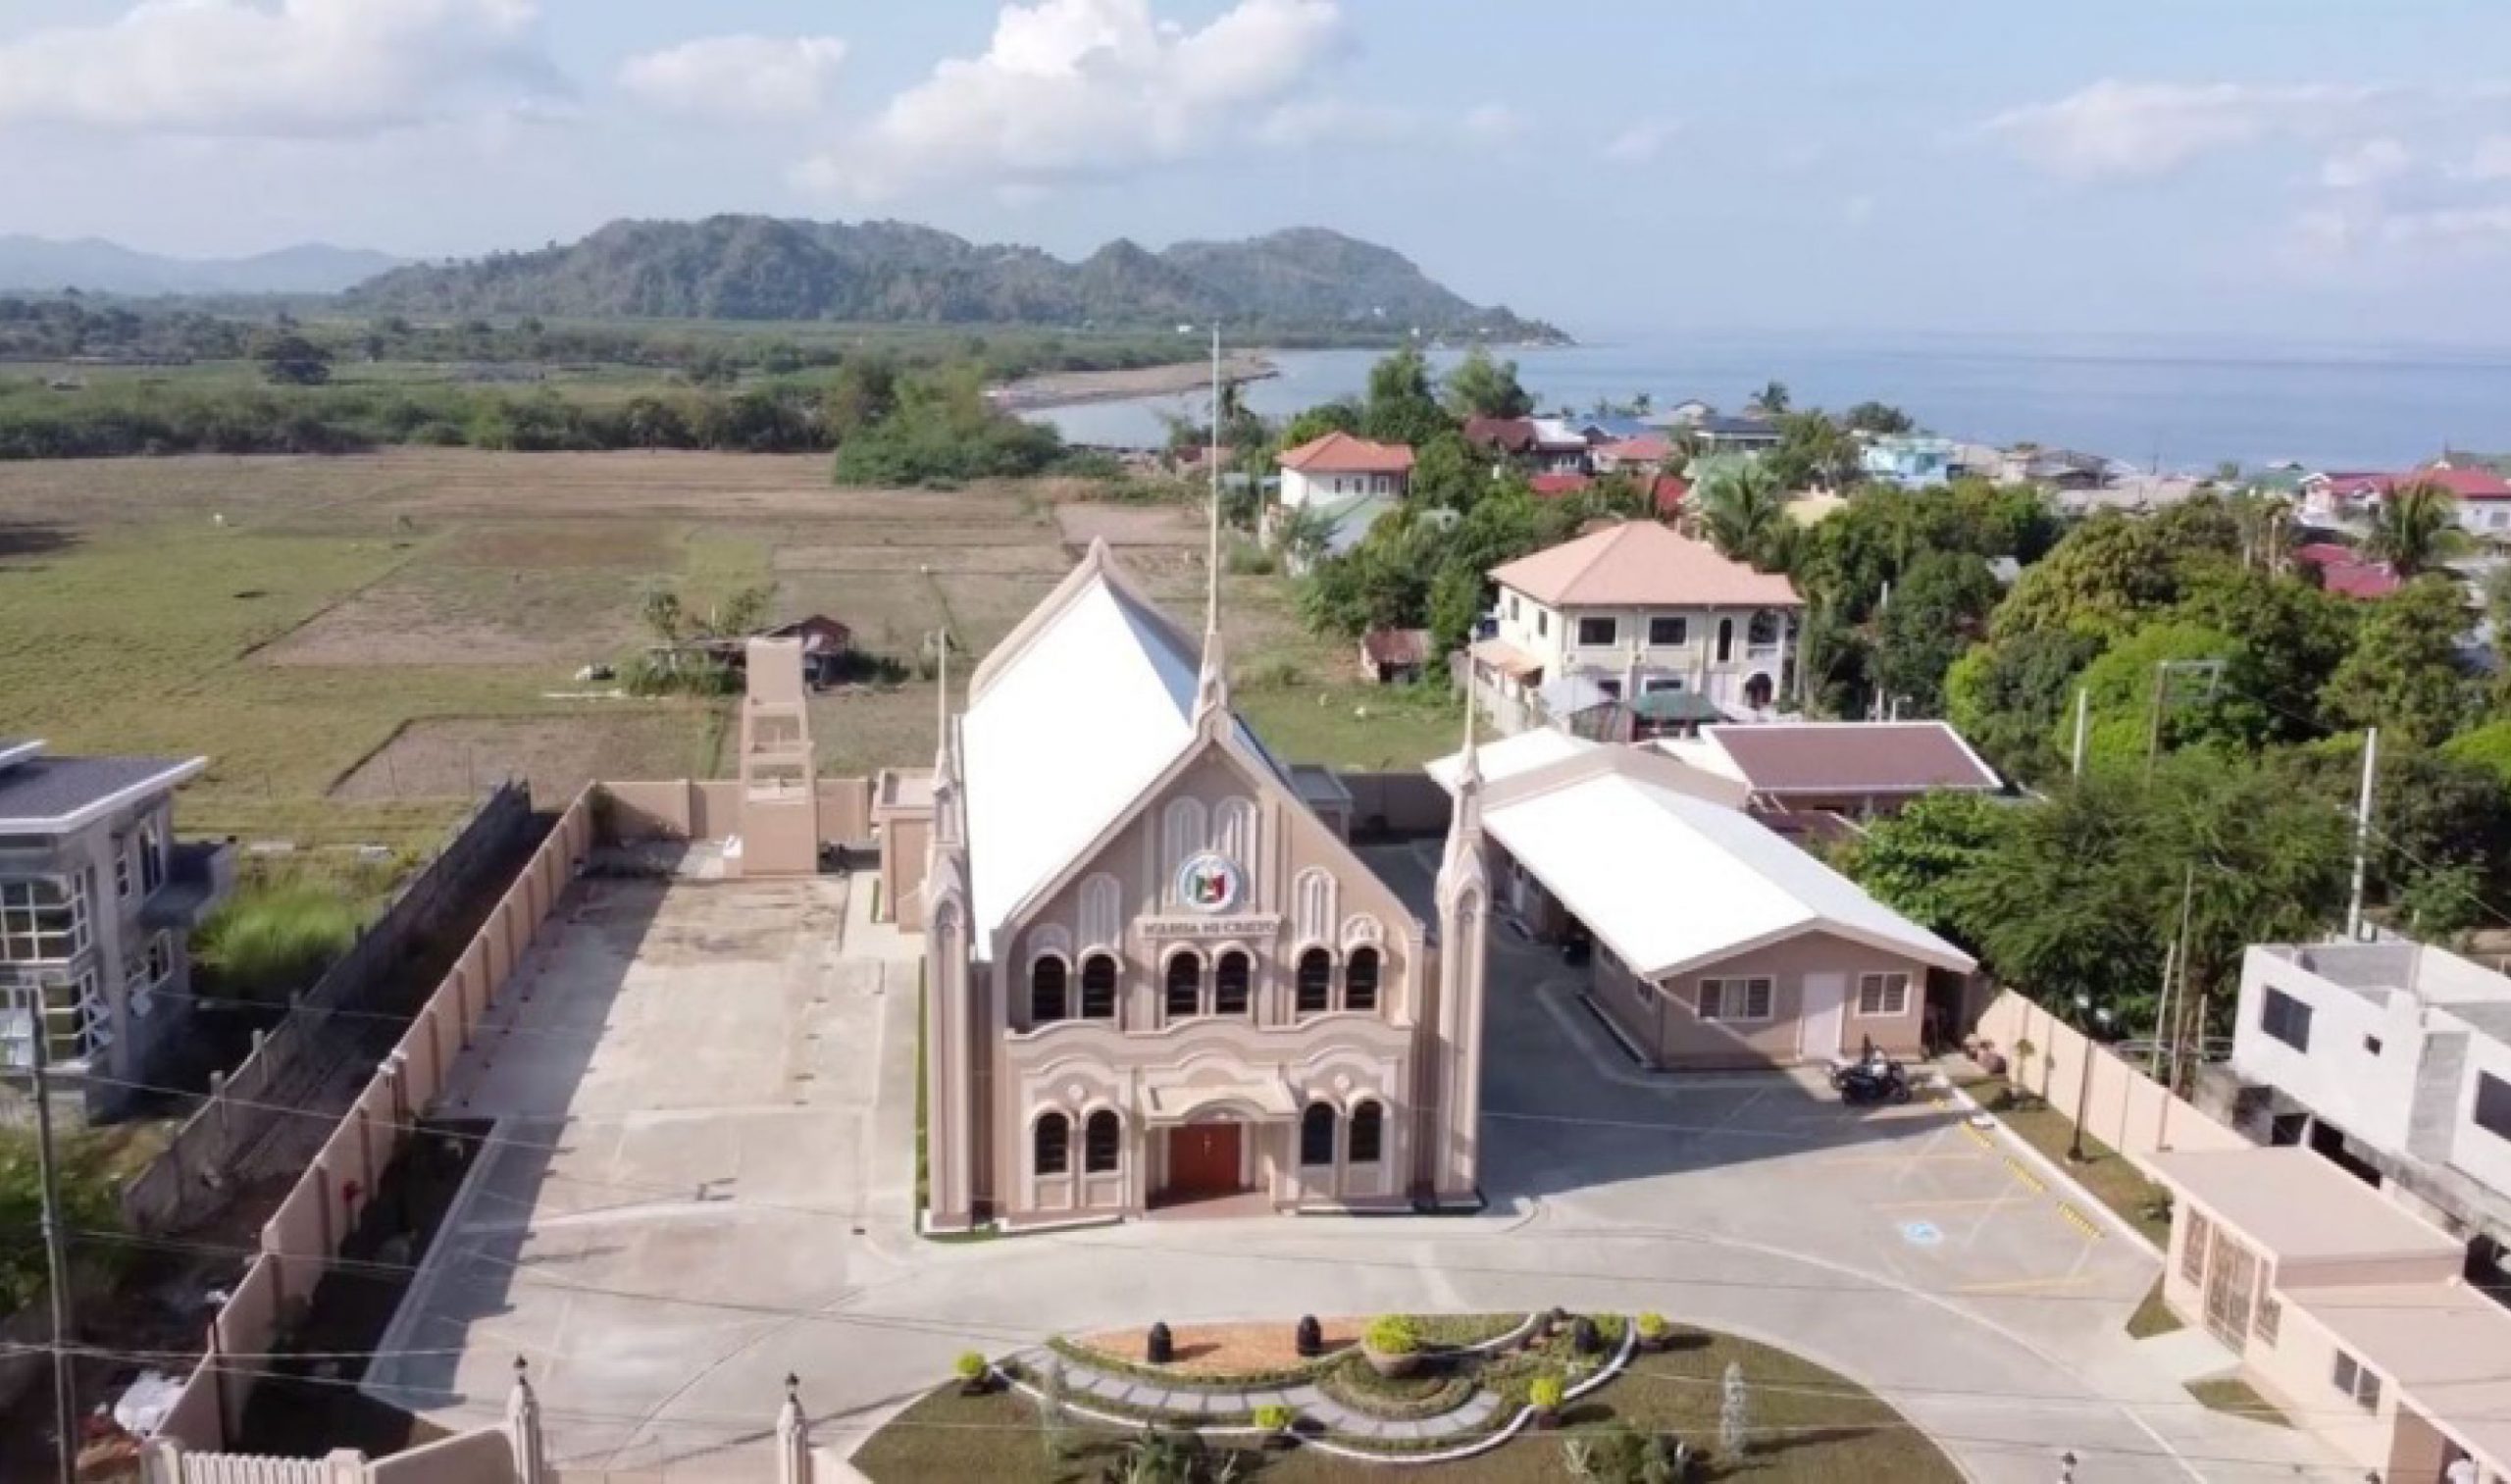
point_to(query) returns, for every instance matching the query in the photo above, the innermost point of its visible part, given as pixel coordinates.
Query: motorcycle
(1874, 1080)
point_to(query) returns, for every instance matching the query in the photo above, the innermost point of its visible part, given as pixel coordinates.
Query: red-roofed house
(1645, 453)
(2343, 571)
(1551, 487)
(2483, 496)
(1350, 480)
(1512, 438)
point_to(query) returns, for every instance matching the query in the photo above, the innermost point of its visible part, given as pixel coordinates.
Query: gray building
(96, 906)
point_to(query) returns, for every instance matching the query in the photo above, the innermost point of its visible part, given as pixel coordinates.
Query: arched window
(1047, 991)
(1315, 982)
(1185, 983)
(1316, 1136)
(1726, 639)
(1369, 1133)
(1098, 987)
(1230, 978)
(1765, 629)
(1757, 692)
(1359, 980)
(1103, 1143)
(1052, 1145)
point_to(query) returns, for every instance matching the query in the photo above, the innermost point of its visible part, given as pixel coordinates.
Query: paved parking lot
(707, 1101)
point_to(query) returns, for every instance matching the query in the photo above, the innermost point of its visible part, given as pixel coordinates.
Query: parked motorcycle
(1874, 1080)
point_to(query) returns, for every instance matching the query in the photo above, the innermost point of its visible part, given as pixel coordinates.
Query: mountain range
(766, 267)
(92, 265)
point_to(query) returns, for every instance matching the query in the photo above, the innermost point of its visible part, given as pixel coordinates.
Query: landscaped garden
(1451, 1398)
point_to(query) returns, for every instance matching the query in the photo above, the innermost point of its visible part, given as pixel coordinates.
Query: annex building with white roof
(1154, 973)
(1717, 942)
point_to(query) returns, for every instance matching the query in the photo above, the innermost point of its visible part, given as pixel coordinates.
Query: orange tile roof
(1640, 563)
(1341, 453)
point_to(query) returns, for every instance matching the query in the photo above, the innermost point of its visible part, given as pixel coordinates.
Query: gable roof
(1647, 448)
(1839, 758)
(1640, 848)
(1340, 453)
(1087, 703)
(1641, 563)
(1506, 435)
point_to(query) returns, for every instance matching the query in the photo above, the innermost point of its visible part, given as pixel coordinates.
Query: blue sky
(2324, 168)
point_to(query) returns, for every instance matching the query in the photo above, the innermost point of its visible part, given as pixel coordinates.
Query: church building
(1154, 974)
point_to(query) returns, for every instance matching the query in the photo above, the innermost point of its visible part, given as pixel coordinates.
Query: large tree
(1401, 407)
(2136, 706)
(1814, 451)
(1482, 385)
(1908, 859)
(1742, 508)
(2415, 528)
(2404, 673)
(2007, 697)
(1936, 612)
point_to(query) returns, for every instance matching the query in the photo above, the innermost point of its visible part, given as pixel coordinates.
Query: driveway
(709, 1189)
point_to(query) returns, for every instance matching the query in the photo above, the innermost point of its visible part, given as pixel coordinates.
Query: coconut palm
(2415, 528)
(1773, 399)
(1741, 510)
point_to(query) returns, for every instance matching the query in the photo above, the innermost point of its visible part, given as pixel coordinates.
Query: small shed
(1394, 656)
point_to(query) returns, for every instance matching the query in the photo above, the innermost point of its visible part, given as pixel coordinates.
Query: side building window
(2287, 1019)
(2493, 1104)
(1185, 985)
(1052, 1145)
(1098, 987)
(1883, 994)
(1316, 1136)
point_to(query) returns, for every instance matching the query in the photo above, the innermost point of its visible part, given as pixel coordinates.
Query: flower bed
(1398, 1398)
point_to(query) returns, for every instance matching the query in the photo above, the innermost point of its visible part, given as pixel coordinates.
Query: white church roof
(1078, 712)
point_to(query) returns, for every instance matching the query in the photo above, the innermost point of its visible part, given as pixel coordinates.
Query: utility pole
(2175, 959)
(64, 1383)
(2363, 832)
(2083, 704)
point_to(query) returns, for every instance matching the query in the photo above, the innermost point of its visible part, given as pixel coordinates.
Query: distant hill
(764, 268)
(92, 265)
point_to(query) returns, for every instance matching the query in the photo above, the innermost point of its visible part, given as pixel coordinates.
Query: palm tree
(1741, 510)
(1773, 399)
(2416, 527)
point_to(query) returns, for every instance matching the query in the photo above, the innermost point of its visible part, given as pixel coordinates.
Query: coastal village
(2040, 907)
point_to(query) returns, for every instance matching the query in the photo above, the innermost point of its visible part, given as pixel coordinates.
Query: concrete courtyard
(702, 1180)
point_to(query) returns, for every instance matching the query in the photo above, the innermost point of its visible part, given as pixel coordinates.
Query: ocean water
(2178, 404)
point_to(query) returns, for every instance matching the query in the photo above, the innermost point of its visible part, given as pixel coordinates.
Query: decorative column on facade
(950, 1117)
(1464, 900)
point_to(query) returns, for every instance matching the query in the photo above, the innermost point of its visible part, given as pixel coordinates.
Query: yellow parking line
(1978, 1136)
(2026, 1285)
(2079, 1220)
(2023, 1173)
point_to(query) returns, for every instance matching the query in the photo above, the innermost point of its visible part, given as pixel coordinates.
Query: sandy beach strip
(1067, 388)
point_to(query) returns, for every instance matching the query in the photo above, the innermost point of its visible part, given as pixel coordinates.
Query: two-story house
(1156, 973)
(96, 904)
(1911, 461)
(1640, 609)
(2393, 1057)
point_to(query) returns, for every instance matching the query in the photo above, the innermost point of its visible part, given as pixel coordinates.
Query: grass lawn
(2152, 1318)
(2239, 1399)
(1810, 1425)
(2112, 1180)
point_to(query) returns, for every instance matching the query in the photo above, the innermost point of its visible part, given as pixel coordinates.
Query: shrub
(970, 1365)
(1546, 1393)
(1392, 1334)
(270, 940)
(1652, 1326)
(1275, 1417)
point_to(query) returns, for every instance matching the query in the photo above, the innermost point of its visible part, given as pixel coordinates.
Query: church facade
(1153, 974)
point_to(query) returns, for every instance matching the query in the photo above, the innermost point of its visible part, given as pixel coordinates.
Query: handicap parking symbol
(1921, 1233)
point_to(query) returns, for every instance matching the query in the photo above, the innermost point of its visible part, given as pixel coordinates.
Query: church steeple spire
(1211, 686)
(1461, 870)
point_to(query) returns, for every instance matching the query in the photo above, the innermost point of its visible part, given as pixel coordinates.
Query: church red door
(1203, 1161)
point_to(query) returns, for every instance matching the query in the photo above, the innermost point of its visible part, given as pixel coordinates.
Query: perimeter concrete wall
(2122, 1107)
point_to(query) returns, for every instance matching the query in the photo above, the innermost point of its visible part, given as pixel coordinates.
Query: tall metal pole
(2362, 832)
(2173, 960)
(2153, 726)
(65, 1384)
(2084, 706)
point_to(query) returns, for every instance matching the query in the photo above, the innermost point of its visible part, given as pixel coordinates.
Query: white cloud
(1328, 120)
(2467, 229)
(2369, 163)
(304, 68)
(738, 76)
(1643, 141)
(2124, 130)
(2490, 160)
(1075, 88)
(1492, 123)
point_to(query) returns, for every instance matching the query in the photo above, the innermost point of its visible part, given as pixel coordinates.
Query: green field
(359, 644)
